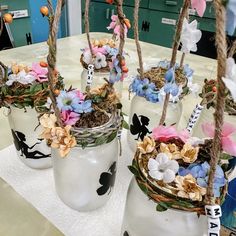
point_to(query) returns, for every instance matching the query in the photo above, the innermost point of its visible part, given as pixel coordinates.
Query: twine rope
(136, 37)
(220, 99)
(232, 50)
(51, 58)
(179, 27)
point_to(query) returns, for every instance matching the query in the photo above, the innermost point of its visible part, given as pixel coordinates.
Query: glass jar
(85, 178)
(141, 218)
(99, 81)
(145, 115)
(207, 116)
(26, 131)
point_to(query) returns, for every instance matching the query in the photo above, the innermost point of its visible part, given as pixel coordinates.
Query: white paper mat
(37, 186)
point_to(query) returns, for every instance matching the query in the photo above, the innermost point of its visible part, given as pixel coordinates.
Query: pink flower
(199, 5)
(115, 25)
(80, 95)
(69, 117)
(228, 145)
(39, 72)
(164, 133)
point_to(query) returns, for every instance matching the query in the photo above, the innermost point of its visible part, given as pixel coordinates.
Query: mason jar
(25, 129)
(85, 178)
(145, 115)
(98, 80)
(141, 218)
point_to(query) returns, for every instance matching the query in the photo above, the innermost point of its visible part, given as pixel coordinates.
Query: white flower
(194, 88)
(22, 77)
(230, 80)
(100, 61)
(162, 168)
(190, 36)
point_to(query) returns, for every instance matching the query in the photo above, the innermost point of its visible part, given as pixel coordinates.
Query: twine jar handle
(136, 37)
(175, 47)
(54, 19)
(221, 45)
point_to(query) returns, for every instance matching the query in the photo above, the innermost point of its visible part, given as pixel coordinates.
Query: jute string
(232, 50)
(51, 58)
(136, 37)
(220, 99)
(176, 43)
(1, 22)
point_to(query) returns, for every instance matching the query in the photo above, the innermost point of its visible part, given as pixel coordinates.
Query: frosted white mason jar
(145, 115)
(99, 81)
(85, 178)
(26, 130)
(142, 219)
(207, 116)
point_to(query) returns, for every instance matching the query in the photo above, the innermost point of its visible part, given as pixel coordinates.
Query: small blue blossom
(171, 88)
(84, 107)
(188, 71)
(200, 173)
(170, 75)
(66, 101)
(111, 51)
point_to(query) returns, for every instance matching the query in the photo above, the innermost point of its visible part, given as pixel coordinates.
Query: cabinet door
(21, 26)
(162, 28)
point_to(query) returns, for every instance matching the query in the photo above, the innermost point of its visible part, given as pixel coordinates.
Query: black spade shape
(19, 141)
(139, 127)
(107, 180)
(125, 233)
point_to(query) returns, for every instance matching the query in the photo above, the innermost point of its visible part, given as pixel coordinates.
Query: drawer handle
(171, 3)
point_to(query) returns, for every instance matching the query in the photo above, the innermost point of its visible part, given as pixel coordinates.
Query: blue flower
(164, 64)
(200, 173)
(231, 17)
(188, 71)
(171, 88)
(170, 75)
(66, 101)
(111, 51)
(84, 107)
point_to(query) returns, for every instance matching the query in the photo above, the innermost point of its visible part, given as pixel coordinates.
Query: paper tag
(20, 13)
(90, 75)
(168, 21)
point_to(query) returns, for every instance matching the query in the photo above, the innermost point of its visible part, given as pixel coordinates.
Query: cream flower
(171, 150)
(48, 120)
(147, 145)
(189, 153)
(22, 77)
(188, 188)
(162, 168)
(100, 61)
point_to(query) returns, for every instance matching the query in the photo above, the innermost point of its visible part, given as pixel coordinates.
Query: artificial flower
(83, 107)
(16, 68)
(48, 120)
(170, 75)
(190, 36)
(39, 72)
(188, 188)
(171, 88)
(67, 100)
(199, 6)
(201, 171)
(189, 153)
(22, 77)
(230, 77)
(228, 145)
(231, 17)
(171, 150)
(80, 95)
(115, 25)
(62, 140)
(162, 168)
(147, 145)
(164, 133)
(100, 61)
(69, 117)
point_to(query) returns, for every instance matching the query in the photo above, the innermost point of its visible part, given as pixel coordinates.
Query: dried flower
(48, 120)
(162, 168)
(147, 145)
(171, 150)
(189, 153)
(62, 139)
(188, 188)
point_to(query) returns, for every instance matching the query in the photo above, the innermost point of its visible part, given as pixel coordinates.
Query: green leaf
(161, 207)
(225, 156)
(111, 137)
(125, 125)
(133, 170)
(184, 204)
(101, 140)
(143, 188)
(123, 114)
